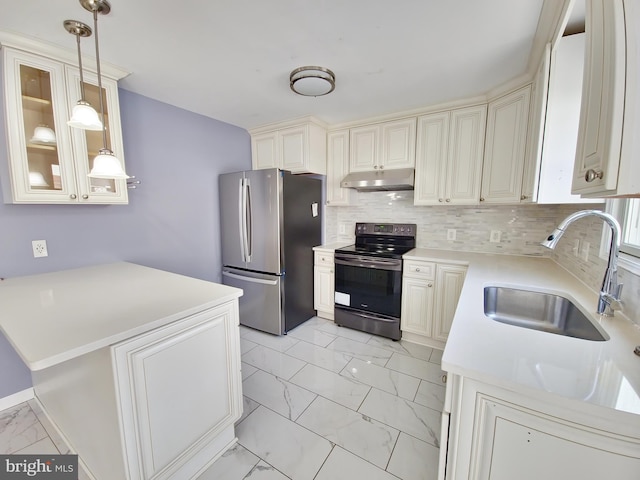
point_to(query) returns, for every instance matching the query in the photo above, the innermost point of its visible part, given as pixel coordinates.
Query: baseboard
(16, 398)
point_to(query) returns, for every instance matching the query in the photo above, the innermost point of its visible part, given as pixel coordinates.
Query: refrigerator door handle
(249, 223)
(249, 279)
(241, 218)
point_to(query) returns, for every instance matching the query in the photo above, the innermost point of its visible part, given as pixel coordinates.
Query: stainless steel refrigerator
(269, 222)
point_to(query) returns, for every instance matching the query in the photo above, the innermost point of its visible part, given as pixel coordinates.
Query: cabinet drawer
(323, 258)
(425, 270)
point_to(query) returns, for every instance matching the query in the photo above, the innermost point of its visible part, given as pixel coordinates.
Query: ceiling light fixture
(312, 81)
(106, 164)
(83, 116)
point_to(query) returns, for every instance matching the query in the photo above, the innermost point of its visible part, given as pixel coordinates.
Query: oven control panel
(398, 229)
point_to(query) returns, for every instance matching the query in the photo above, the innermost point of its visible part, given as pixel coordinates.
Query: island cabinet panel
(160, 405)
(180, 390)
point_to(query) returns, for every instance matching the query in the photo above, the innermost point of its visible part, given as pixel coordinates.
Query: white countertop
(54, 317)
(602, 374)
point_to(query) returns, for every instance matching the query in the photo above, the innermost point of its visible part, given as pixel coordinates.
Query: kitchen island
(528, 404)
(138, 369)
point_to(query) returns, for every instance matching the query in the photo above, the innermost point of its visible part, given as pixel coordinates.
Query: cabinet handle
(417, 269)
(523, 197)
(73, 196)
(482, 199)
(592, 174)
(381, 167)
(448, 200)
(444, 378)
(429, 285)
(330, 271)
(375, 167)
(440, 200)
(85, 196)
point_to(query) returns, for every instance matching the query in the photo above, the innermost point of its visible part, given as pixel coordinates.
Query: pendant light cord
(104, 124)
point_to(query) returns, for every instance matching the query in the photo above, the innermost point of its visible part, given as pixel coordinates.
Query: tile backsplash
(521, 227)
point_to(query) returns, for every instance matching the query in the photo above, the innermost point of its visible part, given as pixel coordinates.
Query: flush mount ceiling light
(83, 115)
(106, 164)
(312, 81)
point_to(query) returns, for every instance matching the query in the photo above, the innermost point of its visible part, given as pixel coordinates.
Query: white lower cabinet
(323, 283)
(430, 294)
(495, 434)
(160, 405)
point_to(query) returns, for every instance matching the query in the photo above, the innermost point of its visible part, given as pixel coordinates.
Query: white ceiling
(230, 60)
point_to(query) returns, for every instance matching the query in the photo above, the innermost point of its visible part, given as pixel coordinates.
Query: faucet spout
(609, 299)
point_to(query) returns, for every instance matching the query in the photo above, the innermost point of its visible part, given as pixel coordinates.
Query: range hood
(380, 180)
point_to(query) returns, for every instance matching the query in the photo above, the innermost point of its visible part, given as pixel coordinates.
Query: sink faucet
(609, 299)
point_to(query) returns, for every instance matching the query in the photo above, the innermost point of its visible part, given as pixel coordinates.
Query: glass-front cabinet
(48, 161)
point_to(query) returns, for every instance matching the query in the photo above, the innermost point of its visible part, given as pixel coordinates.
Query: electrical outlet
(342, 229)
(495, 236)
(451, 234)
(39, 248)
(585, 251)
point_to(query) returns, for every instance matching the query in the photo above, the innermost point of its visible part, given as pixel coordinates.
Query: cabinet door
(40, 161)
(323, 298)
(449, 280)
(337, 167)
(179, 387)
(364, 148)
(563, 116)
(537, 118)
(513, 442)
(464, 164)
(417, 305)
(398, 144)
(294, 149)
(87, 143)
(505, 147)
(431, 158)
(603, 90)
(264, 150)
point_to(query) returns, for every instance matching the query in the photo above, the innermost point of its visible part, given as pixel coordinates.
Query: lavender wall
(171, 222)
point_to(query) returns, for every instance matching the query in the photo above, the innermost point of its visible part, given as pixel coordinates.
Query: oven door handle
(356, 261)
(370, 316)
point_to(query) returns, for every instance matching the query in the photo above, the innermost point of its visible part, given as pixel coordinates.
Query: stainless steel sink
(539, 311)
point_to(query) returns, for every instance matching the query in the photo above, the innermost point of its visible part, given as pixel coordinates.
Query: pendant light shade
(107, 165)
(83, 115)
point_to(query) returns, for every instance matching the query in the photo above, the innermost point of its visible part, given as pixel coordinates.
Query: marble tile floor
(321, 403)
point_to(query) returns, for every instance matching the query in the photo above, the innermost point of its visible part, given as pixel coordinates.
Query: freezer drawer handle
(249, 279)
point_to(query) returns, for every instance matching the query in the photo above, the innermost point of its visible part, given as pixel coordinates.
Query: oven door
(368, 284)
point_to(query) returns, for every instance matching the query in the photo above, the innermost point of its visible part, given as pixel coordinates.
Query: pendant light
(83, 115)
(106, 164)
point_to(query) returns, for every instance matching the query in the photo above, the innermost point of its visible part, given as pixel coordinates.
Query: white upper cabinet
(607, 154)
(389, 145)
(299, 146)
(449, 156)
(561, 124)
(504, 152)
(337, 167)
(537, 118)
(40, 93)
